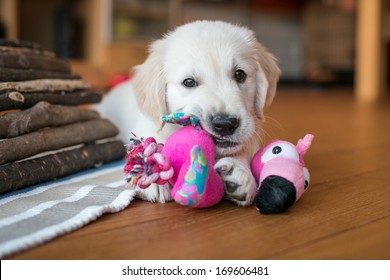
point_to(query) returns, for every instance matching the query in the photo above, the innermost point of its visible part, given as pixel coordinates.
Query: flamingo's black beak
(275, 195)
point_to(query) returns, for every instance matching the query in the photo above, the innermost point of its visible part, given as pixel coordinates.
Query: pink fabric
(178, 148)
(288, 169)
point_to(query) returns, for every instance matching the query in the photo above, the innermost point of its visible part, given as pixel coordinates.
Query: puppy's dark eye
(239, 76)
(189, 83)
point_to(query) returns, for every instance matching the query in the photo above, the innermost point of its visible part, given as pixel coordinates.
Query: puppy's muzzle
(224, 125)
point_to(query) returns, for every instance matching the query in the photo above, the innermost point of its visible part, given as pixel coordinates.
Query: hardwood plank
(367, 241)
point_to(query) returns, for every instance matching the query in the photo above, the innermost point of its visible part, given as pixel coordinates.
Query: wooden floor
(345, 214)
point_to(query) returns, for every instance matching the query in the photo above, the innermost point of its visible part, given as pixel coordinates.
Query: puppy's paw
(155, 193)
(240, 185)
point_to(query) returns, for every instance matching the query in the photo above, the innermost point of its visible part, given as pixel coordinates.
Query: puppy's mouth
(224, 143)
(226, 147)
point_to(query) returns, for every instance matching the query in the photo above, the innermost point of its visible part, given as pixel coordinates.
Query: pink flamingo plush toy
(280, 171)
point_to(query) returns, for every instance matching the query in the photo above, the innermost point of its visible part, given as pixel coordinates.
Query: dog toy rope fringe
(144, 163)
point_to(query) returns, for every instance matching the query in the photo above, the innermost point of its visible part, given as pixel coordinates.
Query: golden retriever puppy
(215, 70)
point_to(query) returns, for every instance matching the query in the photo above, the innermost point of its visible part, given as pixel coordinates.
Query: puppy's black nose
(224, 124)
(275, 195)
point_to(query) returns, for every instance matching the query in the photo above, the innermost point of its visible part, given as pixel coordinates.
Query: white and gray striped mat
(37, 214)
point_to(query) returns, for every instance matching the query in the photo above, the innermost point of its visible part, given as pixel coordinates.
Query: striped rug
(35, 215)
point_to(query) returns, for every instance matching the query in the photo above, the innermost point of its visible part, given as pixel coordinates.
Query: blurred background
(320, 43)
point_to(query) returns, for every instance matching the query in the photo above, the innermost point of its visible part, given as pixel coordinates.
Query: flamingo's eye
(280, 149)
(276, 150)
(306, 174)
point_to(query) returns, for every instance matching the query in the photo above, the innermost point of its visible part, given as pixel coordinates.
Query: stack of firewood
(44, 135)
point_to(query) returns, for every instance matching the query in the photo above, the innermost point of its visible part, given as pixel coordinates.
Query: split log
(19, 44)
(11, 74)
(18, 100)
(23, 47)
(33, 61)
(11, 100)
(44, 85)
(20, 51)
(51, 139)
(18, 175)
(40, 116)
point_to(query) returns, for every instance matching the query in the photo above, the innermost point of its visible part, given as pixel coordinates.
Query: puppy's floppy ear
(267, 76)
(149, 83)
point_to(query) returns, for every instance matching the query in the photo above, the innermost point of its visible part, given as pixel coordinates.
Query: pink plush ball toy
(186, 161)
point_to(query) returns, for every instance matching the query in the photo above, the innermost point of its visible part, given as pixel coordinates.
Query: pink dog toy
(186, 161)
(281, 173)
